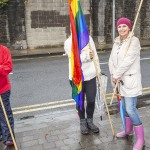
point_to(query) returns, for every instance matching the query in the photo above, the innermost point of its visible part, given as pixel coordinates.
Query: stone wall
(102, 16)
(45, 23)
(13, 29)
(4, 36)
(145, 20)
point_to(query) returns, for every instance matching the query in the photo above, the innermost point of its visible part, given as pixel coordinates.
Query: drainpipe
(113, 21)
(91, 19)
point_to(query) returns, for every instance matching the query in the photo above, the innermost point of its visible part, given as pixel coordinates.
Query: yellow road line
(146, 88)
(43, 104)
(43, 108)
(56, 104)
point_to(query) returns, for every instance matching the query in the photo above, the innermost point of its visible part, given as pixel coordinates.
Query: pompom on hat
(124, 21)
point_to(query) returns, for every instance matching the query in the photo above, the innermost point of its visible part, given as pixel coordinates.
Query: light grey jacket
(88, 67)
(126, 65)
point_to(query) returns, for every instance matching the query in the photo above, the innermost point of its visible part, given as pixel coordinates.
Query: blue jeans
(129, 104)
(3, 124)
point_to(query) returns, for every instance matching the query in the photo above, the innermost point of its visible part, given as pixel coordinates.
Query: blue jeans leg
(5, 130)
(131, 110)
(0, 129)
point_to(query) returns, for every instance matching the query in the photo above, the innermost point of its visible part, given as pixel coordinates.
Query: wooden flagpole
(130, 36)
(1, 102)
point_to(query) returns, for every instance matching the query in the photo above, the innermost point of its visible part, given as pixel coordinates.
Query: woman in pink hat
(125, 65)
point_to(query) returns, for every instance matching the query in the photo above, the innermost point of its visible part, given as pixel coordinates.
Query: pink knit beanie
(124, 21)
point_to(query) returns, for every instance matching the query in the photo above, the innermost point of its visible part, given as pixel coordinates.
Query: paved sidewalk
(61, 131)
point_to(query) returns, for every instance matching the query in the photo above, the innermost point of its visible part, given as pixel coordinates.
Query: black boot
(92, 126)
(83, 126)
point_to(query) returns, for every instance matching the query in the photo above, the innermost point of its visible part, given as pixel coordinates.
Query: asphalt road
(44, 80)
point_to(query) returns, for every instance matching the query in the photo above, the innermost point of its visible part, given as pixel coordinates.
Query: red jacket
(5, 69)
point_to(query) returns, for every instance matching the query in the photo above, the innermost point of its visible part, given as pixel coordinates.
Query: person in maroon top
(5, 87)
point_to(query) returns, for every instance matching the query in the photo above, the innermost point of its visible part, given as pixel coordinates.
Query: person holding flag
(5, 87)
(82, 55)
(124, 66)
(88, 85)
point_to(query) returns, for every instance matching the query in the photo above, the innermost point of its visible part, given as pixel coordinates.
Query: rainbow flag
(80, 38)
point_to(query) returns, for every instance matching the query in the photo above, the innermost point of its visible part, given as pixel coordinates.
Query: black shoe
(92, 126)
(83, 127)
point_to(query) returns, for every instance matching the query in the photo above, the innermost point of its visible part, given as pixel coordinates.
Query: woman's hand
(91, 54)
(116, 80)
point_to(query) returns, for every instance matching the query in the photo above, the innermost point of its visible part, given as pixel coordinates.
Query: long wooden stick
(104, 96)
(128, 46)
(10, 130)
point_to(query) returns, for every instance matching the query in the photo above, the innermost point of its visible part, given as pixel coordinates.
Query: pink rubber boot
(129, 128)
(139, 133)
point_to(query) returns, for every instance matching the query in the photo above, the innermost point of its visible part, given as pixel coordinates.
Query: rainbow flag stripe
(80, 38)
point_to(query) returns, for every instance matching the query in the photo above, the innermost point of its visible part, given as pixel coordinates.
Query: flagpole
(91, 18)
(1, 102)
(127, 47)
(104, 95)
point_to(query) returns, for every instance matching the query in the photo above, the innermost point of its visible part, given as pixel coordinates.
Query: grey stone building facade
(45, 23)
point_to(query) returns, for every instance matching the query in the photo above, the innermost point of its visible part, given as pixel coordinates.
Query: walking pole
(100, 83)
(1, 102)
(115, 88)
(130, 35)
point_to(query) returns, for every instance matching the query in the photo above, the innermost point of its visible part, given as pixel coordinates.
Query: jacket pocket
(130, 80)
